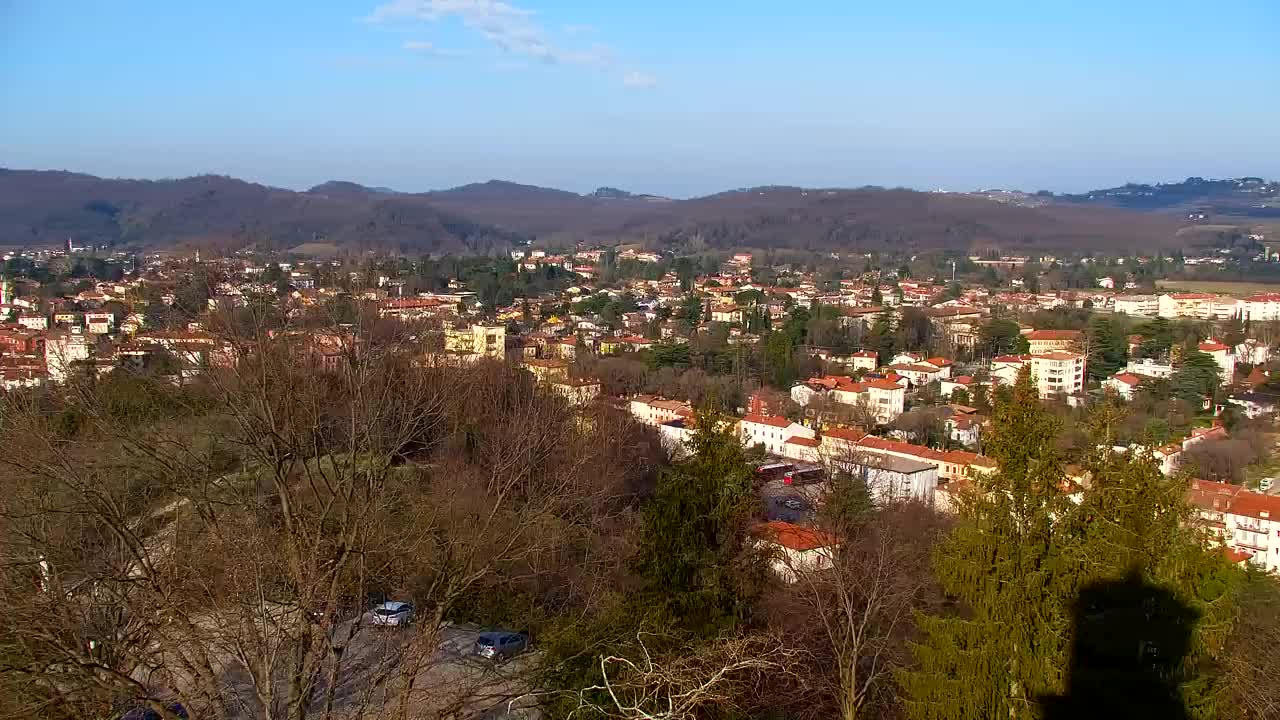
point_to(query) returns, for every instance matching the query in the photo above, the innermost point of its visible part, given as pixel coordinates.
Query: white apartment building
(1202, 306)
(1262, 307)
(1244, 521)
(1144, 305)
(1148, 367)
(1058, 373)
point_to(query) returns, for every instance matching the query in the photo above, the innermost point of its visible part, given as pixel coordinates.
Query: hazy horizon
(661, 98)
(588, 190)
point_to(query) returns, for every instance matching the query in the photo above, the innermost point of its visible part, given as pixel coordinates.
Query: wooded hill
(39, 207)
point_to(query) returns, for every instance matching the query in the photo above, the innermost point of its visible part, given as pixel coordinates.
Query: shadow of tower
(1129, 639)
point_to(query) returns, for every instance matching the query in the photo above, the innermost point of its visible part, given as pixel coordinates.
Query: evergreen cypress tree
(697, 564)
(1124, 570)
(1135, 525)
(1008, 561)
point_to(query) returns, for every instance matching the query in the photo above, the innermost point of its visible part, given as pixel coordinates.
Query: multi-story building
(654, 411)
(1263, 307)
(1058, 373)
(891, 478)
(1042, 341)
(1143, 305)
(62, 350)
(578, 391)
(771, 431)
(33, 321)
(486, 340)
(1202, 306)
(1242, 520)
(99, 323)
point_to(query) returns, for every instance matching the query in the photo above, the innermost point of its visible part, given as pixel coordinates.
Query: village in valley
(872, 364)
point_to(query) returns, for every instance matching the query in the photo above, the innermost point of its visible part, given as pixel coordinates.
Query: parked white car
(391, 614)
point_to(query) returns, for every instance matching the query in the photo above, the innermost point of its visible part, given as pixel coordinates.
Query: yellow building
(486, 340)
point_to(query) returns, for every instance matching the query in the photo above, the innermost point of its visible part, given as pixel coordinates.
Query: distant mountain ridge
(1243, 196)
(47, 207)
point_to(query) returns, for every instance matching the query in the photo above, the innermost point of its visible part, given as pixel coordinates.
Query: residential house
(795, 549)
(771, 431)
(62, 350)
(547, 369)
(1005, 368)
(950, 385)
(484, 340)
(1255, 403)
(862, 360)
(578, 391)
(883, 397)
(1147, 367)
(920, 374)
(99, 323)
(965, 428)
(654, 411)
(1252, 352)
(1124, 384)
(726, 314)
(1222, 355)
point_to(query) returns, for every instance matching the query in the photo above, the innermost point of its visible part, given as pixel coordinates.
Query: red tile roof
(1127, 378)
(1053, 335)
(771, 420)
(794, 537)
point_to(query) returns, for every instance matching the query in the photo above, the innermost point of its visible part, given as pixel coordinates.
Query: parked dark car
(501, 644)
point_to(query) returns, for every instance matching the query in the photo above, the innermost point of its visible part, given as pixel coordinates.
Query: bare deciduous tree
(852, 612)
(217, 543)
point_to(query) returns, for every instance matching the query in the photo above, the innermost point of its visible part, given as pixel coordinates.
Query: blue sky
(680, 98)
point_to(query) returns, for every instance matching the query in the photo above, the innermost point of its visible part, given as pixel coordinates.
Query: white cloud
(426, 48)
(637, 79)
(578, 29)
(507, 26)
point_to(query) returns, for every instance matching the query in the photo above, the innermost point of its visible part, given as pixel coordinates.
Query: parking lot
(791, 503)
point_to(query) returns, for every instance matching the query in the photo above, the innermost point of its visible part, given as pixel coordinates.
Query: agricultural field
(1224, 287)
